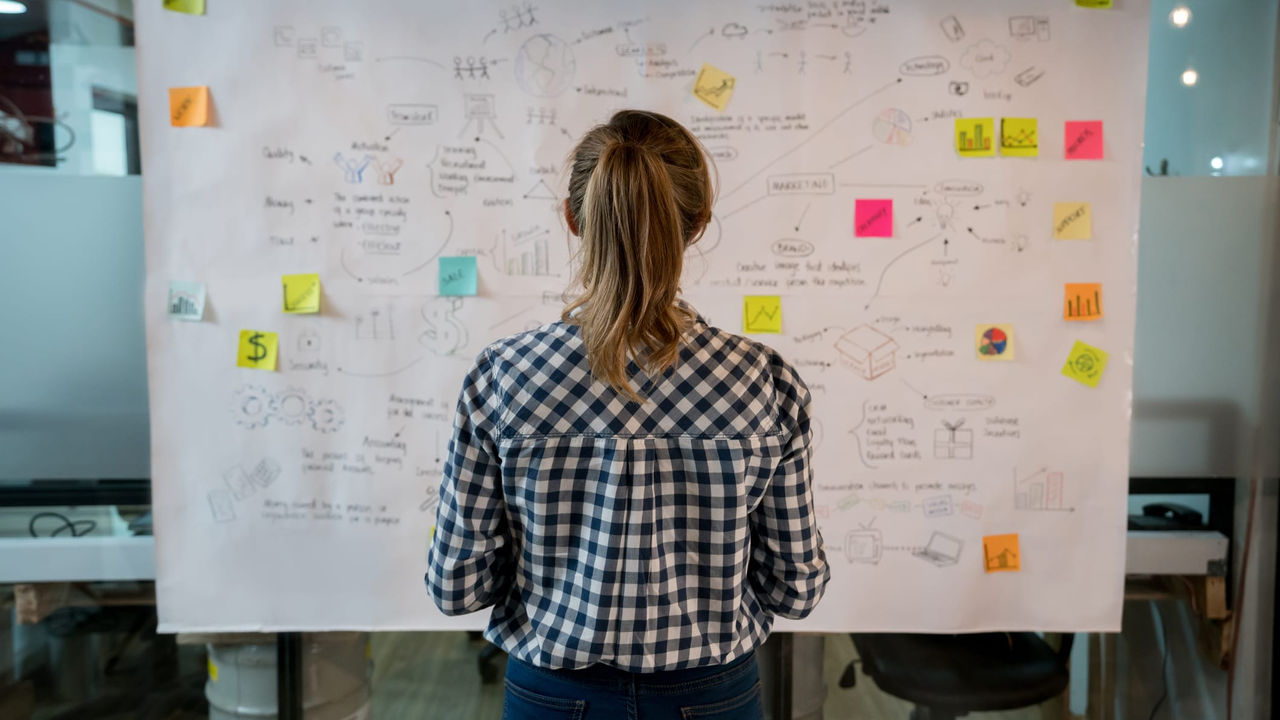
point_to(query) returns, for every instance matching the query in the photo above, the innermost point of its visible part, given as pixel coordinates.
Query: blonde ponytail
(640, 193)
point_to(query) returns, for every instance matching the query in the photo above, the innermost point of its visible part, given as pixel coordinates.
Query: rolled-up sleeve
(469, 565)
(789, 569)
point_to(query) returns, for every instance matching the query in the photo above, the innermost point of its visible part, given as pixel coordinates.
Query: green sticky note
(301, 293)
(190, 7)
(1085, 364)
(762, 314)
(458, 275)
(1094, 3)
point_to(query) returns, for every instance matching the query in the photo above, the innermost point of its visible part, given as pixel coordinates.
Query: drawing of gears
(290, 406)
(326, 416)
(251, 406)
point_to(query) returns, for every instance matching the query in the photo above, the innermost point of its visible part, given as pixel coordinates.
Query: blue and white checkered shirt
(647, 537)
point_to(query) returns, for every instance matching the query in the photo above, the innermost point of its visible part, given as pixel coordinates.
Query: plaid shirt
(647, 537)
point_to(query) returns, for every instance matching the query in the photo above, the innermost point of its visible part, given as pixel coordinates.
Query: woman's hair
(640, 193)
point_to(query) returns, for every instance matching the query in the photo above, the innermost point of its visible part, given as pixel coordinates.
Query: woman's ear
(568, 218)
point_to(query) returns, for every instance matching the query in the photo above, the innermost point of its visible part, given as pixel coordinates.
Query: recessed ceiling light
(12, 7)
(1189, 77)
(1216, 163)
(1180, 16)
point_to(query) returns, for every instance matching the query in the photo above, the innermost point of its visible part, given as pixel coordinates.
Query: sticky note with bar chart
(974, 137)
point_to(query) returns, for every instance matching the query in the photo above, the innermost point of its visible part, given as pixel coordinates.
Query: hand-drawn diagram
(545, 66)
(953, 441)
(864, 545)
(1041, 490)
(254, 407)
(870, 352)
(942, 550)
(445, 333)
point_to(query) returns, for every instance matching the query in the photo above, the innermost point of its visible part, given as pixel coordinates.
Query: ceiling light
(1189, 77)
(1216, 163)
(1180, 16)
(12, 7)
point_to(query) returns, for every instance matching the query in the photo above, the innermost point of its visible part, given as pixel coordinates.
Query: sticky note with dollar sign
(257, 350)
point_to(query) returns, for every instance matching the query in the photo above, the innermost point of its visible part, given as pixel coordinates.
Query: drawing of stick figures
(484, 69)
(457, 68)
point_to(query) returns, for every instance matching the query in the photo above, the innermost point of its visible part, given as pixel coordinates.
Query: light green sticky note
(1094, 3)
(458, 275)
(1085, 364)
(190, 7)
(762, 314)
(301, 293)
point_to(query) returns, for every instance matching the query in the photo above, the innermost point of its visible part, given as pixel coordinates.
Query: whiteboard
(366, 142)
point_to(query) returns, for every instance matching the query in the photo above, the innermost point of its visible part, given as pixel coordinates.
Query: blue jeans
(599, 692)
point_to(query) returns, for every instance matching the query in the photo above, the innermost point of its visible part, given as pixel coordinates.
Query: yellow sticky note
(1082, 301)
(1018, 137)
(1094, 3)
(301, 293)
(257, 350)
(762, 314)
(713, 86)
(1072, 221)
(1085, 364)
(190, 7)
(1000, 553)
(975, 137)
(213, 670)
(189, 106)
(994, 342)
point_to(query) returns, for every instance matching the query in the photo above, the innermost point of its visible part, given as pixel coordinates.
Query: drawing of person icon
(457, 67)
(386, 170)
(352, 170)
(471, 67)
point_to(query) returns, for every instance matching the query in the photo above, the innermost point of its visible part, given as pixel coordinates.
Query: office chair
(949, 676)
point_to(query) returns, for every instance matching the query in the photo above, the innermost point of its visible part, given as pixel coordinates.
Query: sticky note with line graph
(713, 86)
(1019, 137)
(301, 293)
(1000, 553)
(1082, 301)
(762, 314)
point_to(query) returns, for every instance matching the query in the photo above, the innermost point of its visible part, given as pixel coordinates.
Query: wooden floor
(434, 675)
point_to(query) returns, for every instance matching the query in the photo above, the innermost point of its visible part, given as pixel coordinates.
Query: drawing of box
(871, 352)
(953, 442)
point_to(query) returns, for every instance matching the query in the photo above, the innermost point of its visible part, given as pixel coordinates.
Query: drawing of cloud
(985, 59)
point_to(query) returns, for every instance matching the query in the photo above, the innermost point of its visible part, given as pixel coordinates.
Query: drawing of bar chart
(524, 253)
(973, 139)
(1042, 490)
(182, 304)
(1083, 302)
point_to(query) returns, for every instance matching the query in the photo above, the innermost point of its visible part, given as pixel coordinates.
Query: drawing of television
(863, 546)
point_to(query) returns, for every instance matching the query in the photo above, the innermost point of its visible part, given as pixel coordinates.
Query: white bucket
(335, 678)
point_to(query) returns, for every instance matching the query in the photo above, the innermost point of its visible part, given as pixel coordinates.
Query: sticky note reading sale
(301, 293)
(1072, 221)
(458, 275)
(762, 314)
(257, 350)
(1082, 301)
(975, 137)
(873, 218)
(1000, 553)
(1018, 137)
(190, 7)
(1082, 140)
(713, 86)
(1085, 364)
(189, 106)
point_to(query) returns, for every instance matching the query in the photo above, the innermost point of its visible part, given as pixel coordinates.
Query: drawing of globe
(545, 66)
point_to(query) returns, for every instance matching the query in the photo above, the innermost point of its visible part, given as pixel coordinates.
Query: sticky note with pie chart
(1085, 364)
(994, 342)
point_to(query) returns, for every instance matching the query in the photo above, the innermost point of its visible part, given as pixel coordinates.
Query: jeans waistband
(600, 674)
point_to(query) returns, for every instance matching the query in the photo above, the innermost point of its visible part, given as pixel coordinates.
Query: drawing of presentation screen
(936, 203)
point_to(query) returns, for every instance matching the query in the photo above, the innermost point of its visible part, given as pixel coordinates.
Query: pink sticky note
(1082, 140)
(873, 218)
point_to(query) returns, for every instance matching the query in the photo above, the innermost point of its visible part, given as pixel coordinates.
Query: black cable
(1164, 663)
(77, 528)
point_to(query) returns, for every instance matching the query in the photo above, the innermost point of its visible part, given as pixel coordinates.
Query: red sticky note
(1083, 140)
(873, 218)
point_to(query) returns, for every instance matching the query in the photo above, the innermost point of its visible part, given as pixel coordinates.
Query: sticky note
(186, 300)
(189, 106)
(1082, 140)
(1082, 301)
(762, 314)
(213, 670)
(1018, 137)
(1000, 553)
(257, 350)
(713, 86)
(1072, 221)
(873, 218)
(993, 342)
(1085, 364)
(974, 137)
(458, 275)
(190, 7)
(1104, 4)
(301, 293)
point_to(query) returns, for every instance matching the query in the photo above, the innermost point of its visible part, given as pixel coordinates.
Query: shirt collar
(698, 318)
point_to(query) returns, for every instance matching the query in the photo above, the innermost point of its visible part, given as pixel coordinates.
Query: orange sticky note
(1082, 301)
(189, 106)
(1000, 553)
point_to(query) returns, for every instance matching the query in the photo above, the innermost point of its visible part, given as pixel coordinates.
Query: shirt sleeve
(469, 564)
(789, 569)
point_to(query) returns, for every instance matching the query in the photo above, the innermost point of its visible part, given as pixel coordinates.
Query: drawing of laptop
(942, 550)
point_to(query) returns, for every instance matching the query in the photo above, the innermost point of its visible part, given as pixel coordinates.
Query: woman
(629, 487)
